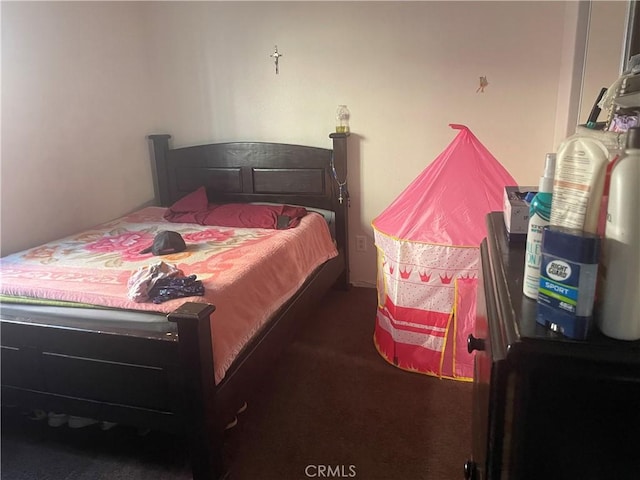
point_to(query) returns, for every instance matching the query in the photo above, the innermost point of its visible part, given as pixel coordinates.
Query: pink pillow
(195, 208)
(254, 216)
(196, 201)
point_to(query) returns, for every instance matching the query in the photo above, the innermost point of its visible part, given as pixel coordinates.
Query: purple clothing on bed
(176, 287)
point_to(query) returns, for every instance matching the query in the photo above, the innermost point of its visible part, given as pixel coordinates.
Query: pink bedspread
(247, 273)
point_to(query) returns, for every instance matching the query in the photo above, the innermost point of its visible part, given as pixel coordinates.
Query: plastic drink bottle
(619, 312)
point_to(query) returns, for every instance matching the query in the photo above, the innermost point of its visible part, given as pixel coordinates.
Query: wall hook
(483, 84)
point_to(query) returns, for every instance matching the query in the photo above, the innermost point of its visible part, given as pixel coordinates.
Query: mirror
(608, 48)
(632, 33)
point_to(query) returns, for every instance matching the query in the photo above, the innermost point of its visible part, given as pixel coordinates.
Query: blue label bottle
(539, 216)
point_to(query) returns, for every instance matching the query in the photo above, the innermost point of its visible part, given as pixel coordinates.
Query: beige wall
(83, 83)
(76, 105)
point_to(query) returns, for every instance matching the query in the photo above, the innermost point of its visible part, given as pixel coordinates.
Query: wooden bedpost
(199, 403)
(159, 146)
(341, 208)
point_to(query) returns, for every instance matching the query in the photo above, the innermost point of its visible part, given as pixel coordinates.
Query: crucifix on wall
(276, 57)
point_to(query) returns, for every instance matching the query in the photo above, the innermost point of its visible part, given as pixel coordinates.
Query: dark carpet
(333, 409)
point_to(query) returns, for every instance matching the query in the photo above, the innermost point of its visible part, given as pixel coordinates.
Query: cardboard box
(516, 211)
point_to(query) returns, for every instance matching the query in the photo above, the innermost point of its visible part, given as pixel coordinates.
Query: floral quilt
(248, 273)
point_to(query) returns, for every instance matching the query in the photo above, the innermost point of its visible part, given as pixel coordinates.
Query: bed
(160, 375)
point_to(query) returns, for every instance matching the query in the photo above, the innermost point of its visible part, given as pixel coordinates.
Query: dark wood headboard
(256, 172)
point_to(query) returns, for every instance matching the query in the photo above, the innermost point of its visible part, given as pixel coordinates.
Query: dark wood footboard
(93, 374)
(101, 372)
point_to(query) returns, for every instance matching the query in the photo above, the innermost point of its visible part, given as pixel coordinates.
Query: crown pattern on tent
(405, 274)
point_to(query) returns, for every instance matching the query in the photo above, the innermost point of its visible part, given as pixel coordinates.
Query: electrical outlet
(361, 243)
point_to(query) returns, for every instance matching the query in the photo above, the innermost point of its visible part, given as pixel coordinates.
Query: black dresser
(546, 407)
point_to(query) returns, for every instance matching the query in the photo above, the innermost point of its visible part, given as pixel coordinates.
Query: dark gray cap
(166, 242)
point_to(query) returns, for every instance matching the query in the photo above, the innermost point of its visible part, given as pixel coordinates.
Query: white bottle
(539, 215)
(579, 182)
(619, 312)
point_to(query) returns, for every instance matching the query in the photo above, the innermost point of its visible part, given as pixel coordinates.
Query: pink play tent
(428, 243)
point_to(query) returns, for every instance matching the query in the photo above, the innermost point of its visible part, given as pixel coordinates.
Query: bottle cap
(571, 244)
(633, 137)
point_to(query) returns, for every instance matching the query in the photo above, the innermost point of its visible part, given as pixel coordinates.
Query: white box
(516, 211)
